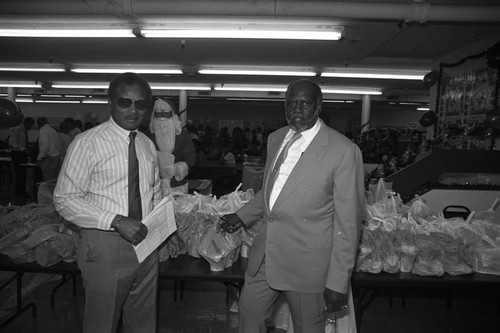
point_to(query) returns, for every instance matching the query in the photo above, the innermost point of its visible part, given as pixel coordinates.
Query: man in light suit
(312, 214)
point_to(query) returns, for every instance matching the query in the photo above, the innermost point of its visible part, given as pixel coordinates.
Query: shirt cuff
(105, 220)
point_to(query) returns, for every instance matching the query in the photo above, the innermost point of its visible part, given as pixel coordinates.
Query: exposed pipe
(416, 11)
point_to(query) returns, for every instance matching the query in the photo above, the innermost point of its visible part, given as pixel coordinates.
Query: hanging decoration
(11, 114)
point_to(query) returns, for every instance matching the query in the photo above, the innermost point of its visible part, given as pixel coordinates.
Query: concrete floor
(204, 309)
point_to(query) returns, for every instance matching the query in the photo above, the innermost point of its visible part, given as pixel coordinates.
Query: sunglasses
(140, 104)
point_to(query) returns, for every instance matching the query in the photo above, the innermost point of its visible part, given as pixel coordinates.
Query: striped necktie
(279, 161)
(134, 193)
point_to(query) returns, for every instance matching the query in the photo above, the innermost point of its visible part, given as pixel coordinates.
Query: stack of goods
(36, 233)
(399, 237)
(197, 217)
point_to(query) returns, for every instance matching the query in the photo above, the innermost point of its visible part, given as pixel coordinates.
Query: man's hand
(181, 170)
(229, 223)
(130, 228)
(334, 301)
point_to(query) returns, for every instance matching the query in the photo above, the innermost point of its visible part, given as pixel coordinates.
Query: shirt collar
(308, 135)
(120, 131)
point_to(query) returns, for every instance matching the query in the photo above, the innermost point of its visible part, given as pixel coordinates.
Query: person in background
(64, 139)
(311, 205)
(227, 157)
(48, 150)
(18, 143)
(73, 130)
(87, 125)
(171, 138)
(95, 191)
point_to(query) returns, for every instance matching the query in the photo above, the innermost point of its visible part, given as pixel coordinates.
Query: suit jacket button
(270, 219)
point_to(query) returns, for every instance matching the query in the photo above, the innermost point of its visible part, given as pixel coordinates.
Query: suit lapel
(311, 156)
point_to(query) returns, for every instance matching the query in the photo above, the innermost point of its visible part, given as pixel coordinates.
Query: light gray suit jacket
(311, 235)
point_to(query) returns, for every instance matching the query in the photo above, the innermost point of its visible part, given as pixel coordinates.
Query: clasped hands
(130, 228)
(229, 223)
(178, 170)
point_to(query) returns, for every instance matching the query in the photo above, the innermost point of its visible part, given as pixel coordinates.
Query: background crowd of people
(48, 149)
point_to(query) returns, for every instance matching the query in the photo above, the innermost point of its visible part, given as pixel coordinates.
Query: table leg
(362, 299)
(64, 280)
(20, 308)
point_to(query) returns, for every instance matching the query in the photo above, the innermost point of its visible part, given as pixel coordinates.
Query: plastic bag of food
(46, 254)
(18, 254)
(419, 208)
(430, 258)
(390, 260)
(369, 259)
(487, 258)
(406, 249)
(40, 235)
(219, 248)
(454, 263)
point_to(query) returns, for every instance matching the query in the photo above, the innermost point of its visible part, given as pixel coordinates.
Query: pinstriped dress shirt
(93, 183)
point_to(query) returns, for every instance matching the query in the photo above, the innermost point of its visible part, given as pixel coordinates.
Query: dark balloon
(492, 119)
(430, 79)
(428, 119)
(10, 113)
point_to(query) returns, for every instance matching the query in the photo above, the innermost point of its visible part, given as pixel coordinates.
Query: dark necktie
(134, 194)
(279, 161)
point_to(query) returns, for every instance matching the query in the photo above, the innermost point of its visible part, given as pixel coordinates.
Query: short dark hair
(316, 87)
(41, 121)
(128, 79)
(29, 121)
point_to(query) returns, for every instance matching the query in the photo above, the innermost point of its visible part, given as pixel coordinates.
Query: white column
(183, 107)
(11, 94)
(365, 113)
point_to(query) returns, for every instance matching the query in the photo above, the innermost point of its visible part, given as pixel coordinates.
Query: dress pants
(257, 302)
(116, 285)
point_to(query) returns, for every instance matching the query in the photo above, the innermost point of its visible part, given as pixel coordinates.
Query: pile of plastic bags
(197, 217)
(399, 237)
(37, 233)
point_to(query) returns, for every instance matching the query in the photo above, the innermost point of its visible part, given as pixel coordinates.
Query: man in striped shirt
(93, 192)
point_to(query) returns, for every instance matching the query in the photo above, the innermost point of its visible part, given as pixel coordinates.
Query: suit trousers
(257, 302)
(116, 285)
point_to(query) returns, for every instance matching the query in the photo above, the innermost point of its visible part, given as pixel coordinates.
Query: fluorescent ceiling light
(24, 100)
(336, 101)
(75, 96)
(257, 87)
(366, 73)
(56, 101)
(95, 101)
(51, 96)
(255, 99)
(354, 91)
(20, 84)
(9, 67)
(256, 71)
(80, 85)
(237, 34)
(241, 27)
(179, 86)
(68, 33)
(423, 109)
(139, 69)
